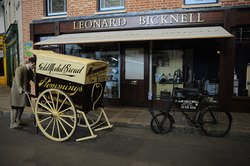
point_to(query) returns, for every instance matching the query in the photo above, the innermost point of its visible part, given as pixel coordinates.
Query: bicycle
(209, 116)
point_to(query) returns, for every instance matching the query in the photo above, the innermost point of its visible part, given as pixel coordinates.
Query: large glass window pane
(168, 63)
(241, 84)
(185, 64)
(134, 64)
(107, 52)
(111, 4)
(56, 7)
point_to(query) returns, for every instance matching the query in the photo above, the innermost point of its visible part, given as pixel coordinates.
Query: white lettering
(75, 26)
(122, 21)
(88, 24)
(191, 18)
(184, 18)
(96, 23)
(104, 23)
(142, 21)
(81, 25)
(175, 18)
(155, 20)
(164, 19)
(113, 22)
(199, 18)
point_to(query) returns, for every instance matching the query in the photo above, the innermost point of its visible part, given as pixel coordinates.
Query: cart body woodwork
(82, 79)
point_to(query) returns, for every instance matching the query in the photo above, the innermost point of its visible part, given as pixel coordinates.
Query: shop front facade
(12, 52)
(153, 52)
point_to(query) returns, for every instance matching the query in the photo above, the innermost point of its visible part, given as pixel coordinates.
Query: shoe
(22, 124)
(18, 127)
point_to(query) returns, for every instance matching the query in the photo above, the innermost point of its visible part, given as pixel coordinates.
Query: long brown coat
(20, 82)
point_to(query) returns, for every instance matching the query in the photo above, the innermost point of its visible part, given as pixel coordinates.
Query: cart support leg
(106, 120)
(92, 135)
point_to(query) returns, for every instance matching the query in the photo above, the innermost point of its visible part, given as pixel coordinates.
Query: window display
(185, 65)
(168, 70)
(106, 52)
(112, 89)
(242, 60)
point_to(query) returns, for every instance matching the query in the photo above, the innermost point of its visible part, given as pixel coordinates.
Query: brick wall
(31, 10)
(235, 2)
(81, 7)
(35, 9)
(87, 7)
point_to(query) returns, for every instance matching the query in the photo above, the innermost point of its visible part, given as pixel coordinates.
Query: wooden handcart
(69, 93)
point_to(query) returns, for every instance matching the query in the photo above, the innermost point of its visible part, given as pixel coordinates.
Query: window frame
(204, 2)
(241, 83)
(49, 9)
(122, 7)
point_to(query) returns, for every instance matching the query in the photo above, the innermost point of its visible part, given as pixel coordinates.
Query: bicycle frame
(199, 100)
(209, 116)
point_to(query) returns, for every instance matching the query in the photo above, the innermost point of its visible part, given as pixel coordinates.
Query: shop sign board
(141, 21)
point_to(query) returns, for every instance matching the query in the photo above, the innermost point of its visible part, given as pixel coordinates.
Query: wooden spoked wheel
(93, 117)
(55, 115)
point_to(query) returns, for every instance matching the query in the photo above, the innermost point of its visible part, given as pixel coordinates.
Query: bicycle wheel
(215, 121)
(161, 123)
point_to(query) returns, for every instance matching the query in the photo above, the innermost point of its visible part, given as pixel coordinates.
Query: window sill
(202, 5)
(241, 98)
(111, 12)
(52, 17)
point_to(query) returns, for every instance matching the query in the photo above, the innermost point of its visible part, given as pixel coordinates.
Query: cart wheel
(55, 115)
(93, 116)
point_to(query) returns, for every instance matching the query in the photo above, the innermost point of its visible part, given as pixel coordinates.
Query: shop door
(133, 92)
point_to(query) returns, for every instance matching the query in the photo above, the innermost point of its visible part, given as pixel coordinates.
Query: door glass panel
(134, 63)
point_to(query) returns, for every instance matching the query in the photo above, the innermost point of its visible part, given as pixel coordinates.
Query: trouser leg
(13, 118)
(19, 116)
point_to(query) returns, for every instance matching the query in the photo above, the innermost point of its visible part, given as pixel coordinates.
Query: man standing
(19, 100)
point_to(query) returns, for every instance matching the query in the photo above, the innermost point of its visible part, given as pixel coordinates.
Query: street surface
(121, 147)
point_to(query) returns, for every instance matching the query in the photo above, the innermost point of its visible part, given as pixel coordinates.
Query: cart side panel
(85, 97)
(96, 72)
(61, 69)
(80, 70)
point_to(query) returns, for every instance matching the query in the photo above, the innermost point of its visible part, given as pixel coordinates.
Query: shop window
(242, 62)
(188, 64)
(167, 64)
(243, 34)
(106, 5)
(42, 38)
(56, 7)
(105, 52)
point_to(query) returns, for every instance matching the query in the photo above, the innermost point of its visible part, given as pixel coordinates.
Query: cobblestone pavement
(138, 117)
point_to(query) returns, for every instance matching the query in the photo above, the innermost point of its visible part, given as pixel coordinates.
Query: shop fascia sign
(139, 21)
